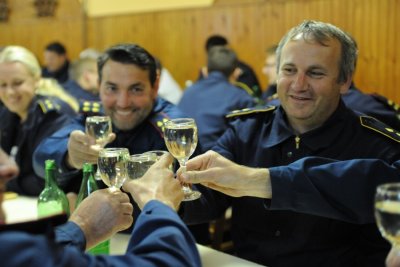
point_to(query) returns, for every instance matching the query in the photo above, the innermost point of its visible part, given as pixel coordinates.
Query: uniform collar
(321, 137)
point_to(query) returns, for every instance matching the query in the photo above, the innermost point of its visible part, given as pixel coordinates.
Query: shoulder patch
(378, 126)
(89, 107)
(247, 111)
(158, 120)
(47, 105)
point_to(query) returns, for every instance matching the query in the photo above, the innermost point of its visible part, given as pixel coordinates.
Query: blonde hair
(46, 87)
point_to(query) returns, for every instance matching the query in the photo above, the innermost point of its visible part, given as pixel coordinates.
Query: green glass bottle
(88, 186)
(52, 200)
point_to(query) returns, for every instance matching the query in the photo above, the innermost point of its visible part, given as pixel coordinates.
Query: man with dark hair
(211, 98)
(247, 78)
(128, 85)
(56, 62)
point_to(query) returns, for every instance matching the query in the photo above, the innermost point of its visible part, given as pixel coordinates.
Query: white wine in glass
(387, 212)
(180, 137)
(99, 128)
(112, 163)
(138, 164)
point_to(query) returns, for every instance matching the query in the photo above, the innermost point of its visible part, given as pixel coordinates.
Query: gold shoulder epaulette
(89, 107)
(47, 105)
(378, 126)
(247, 111)
(244, 87)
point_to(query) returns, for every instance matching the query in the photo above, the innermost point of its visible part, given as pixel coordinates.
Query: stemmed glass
(387, 212)
(99, 128)
(112, 163)
(180, 136)
(138, 164)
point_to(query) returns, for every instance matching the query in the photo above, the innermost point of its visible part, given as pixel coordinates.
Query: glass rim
(113, 150)
(388, 188)
(142, 157)
(104, 118)
(182, 121)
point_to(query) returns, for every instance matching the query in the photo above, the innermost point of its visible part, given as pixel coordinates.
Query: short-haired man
(56, 62)
(315, 66)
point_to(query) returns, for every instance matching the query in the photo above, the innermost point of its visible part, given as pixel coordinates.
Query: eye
(316, 74)
(110, 88)
(136, 90)
(288, 70)
(17, 83)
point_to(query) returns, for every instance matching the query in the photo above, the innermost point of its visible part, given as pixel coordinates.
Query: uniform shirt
(160, 239)
(146, 136)
(45, 116)
(74, 89)
(287, 238)
(325, 193)
(208, 101)
(60, 75)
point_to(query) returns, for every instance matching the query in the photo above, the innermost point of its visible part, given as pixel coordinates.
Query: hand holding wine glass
(180, 137)
(387, 212)
(99, 128)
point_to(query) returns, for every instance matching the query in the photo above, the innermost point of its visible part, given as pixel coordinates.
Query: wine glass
(180, 136)
(138, 164)
(387, 212)
(112, 163)
(99, 128)
(158, 154)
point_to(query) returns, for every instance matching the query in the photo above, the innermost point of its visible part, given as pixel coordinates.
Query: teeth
(124, 113)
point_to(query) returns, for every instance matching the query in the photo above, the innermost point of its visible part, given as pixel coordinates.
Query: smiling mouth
(300, 98)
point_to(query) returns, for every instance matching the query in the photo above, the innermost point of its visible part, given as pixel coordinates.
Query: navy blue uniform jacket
(277, 237)
(45, 116)
(146, 136)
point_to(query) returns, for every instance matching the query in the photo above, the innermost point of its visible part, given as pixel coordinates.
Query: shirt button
(289, 154)
(277, 233)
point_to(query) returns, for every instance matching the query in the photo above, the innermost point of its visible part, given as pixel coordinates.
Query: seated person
(208, 100)
(83, 81)
(27, 118)
(247, 78)
(160, 238)
(56, 63)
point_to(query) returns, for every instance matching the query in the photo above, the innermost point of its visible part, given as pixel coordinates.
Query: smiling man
(128, 85)
(315, 66)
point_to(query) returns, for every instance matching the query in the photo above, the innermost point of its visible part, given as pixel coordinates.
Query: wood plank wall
(177, 37)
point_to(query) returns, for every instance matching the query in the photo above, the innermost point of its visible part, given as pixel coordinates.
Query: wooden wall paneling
(178, 36)
(26, 29)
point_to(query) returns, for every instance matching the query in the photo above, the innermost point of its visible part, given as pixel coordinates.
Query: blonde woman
(26, 117)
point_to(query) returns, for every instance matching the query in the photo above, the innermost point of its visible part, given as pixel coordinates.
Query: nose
(123, 100)
(300, 82)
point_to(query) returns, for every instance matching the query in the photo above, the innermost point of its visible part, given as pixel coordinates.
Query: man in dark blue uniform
(316, 64)
(373, 105)
(128, 91)
(160, 237)
(56, 63)
(211, 98)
